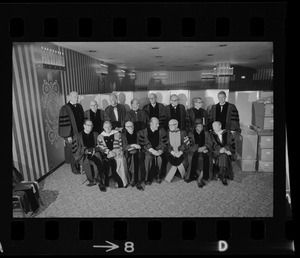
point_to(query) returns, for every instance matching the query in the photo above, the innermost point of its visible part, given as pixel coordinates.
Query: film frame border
(197, 22)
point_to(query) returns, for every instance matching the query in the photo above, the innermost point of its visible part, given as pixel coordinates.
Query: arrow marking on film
(110, 247)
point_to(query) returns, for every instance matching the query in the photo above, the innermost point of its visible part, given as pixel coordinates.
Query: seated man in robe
(110, 142)
(153, 141)
(134, 156)
(177, 147)
(222, 146)
(199, 156)
(88, 155)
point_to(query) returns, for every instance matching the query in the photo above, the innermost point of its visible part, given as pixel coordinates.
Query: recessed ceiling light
(243, 77)
(155, 47)
(158, 56)
(201, 60)
(92, 51)
(223, 45)
(210, 54)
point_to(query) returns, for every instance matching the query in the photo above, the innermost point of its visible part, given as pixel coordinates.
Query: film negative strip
(171, 221)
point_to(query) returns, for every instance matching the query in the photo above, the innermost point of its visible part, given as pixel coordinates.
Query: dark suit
(139, 119)
(181, 113)
(145, 143)
(162, 114)
(110, 115)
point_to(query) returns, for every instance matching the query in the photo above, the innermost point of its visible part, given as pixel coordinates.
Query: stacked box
(263, 122)
(248, 150)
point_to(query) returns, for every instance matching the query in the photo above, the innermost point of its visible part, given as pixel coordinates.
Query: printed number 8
(129, 247)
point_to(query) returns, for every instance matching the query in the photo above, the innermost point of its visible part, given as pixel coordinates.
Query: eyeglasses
(172, 124)
(129, 126)
(88, 124)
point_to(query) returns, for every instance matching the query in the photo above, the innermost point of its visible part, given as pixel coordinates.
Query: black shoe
(102, 187)
(224, 181)
(76, 172)
(133, 184)
(140, 187)
(158, 180)
(200, 183)
(91, 184)
(148, 182)
(188, 180)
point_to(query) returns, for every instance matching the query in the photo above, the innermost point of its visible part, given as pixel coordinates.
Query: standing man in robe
(176, 111)
(115, 113)
(137, 116)
(154, 142)
(96, 115)
(71, 119)
(196, 112)
(155, 109)
(226, 113)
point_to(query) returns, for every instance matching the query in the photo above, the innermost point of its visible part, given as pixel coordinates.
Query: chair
(27, 200)
(18, 206)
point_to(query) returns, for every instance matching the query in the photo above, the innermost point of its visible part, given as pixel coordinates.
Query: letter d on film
(222, 246)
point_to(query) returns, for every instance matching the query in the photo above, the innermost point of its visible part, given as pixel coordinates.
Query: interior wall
(38, 95)
(243, 101)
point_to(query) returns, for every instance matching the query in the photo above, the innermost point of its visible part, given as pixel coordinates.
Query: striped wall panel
(80, 74)
(28, 136)
(29, 150)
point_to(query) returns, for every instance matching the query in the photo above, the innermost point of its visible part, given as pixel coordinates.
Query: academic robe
(222, 159)
(110, 115)
(67, 127)
(145, 143)
(117, 163)
(198, 160)
(78, 149)
(184, 145)
(162, 114)
(182, 115)
(135, 167)
(232, 117)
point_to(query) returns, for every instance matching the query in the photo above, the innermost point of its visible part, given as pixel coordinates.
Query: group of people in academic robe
(140, 146)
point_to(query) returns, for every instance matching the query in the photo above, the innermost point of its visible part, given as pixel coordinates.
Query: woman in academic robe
(199, 156)
(110, 142)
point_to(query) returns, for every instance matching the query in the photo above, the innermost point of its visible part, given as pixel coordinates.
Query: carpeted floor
(249, 195)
